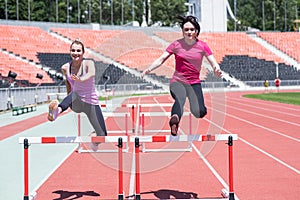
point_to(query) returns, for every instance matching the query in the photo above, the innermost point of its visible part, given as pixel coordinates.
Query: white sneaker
(94, 146)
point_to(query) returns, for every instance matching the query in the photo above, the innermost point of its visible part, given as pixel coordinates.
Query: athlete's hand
(146, 71)
(75, 77)
(218, 73)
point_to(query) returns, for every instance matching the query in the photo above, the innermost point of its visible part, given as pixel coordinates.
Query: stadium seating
(24, 70)
(288, 42)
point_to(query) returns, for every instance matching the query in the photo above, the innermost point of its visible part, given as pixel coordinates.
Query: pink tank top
(86, 89)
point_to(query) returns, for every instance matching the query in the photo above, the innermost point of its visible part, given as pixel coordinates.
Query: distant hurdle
(144, 149)
(143, 114)
(123, 132)
(186, 138)
(132, 106)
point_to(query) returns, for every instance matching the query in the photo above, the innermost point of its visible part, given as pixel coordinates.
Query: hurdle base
(145, 150)
(167, 150)
(231, 196)
(102, 151)
(120, 197)
(226, 194)
(137, 197)
(31, 196)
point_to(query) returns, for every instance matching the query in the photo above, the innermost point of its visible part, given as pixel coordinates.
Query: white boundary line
(52, 171)
(259, 149)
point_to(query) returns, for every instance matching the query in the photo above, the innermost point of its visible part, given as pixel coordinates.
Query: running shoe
(174, 121)
(53, 110)
(94, 146)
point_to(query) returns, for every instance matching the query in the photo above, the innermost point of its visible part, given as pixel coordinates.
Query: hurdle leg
(79, 132)
(132, 118)
(26, 174)
(137, 170)
(121, 193)
(230, 154)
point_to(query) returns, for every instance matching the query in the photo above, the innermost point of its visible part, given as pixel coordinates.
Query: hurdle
(27, 141)
(132, 106)
(186, 138)
(110, 114)
(153, 114)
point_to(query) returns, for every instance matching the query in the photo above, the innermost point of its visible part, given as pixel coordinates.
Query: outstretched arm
(217, 71)
(157, 63)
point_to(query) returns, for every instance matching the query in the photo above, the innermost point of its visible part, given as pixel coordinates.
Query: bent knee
(200, 114)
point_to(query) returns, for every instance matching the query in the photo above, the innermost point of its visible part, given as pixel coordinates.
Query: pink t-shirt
(188, 60)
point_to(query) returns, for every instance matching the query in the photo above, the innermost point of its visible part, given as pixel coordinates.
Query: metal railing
(17, 97)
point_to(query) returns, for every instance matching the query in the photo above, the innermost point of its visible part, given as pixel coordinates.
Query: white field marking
(265, 116)
(266, 109)
(221, 180)
(53, 170)
(260, 126)
(261, 102)
(271, 156)
(257, 148)
(132, 177)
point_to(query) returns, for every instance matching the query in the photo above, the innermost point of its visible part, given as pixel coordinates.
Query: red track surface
(266, 160)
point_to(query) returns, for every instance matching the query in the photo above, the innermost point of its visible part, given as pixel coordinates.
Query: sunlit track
(262, 106)
(262, 127)
(262, 154)
(264, 115)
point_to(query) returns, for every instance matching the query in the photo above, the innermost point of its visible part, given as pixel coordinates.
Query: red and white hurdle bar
(123, 114)
(52, 140)
(132, 106)
(185, 138)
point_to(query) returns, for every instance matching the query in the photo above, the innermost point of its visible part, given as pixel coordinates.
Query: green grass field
(282, 97)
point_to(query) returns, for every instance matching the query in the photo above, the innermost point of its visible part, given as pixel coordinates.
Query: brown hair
(193, 20)
(77, 41)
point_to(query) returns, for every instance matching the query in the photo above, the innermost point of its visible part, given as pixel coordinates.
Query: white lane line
(265, 116)
(132, 173)
(270, 155)
(259, 149)
(221, 180)
(265, 104)
(53, 170)
(260, 126)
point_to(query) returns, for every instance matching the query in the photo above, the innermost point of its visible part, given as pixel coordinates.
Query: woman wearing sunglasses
(82, 96)
(189, 52)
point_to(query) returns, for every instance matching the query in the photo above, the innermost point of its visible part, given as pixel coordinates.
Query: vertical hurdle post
(26, 169)
(120, 145)
(230, 154)
(143, 129)
(132, 117)
(79, 132)
(137, 170)
(191, 130)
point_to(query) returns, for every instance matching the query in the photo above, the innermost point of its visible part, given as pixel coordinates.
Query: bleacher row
(30, 50)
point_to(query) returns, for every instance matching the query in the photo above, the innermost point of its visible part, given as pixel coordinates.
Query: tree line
(265, 15)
